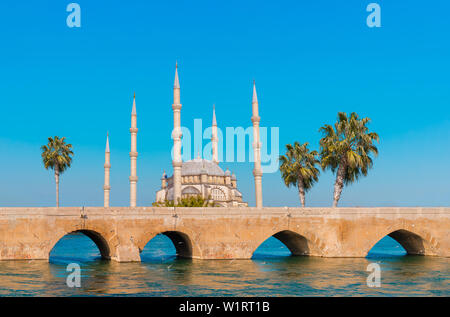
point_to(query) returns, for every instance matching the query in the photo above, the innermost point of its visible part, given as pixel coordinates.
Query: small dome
(199, 166)
(227, 172)
(233, 177)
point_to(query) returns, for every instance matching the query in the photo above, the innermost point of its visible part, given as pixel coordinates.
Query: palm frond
(348, 143)
(57, 154)
(299, 163)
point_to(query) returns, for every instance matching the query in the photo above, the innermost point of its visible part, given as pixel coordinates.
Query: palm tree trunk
(339, 184)
(301, 191)
(57, 185)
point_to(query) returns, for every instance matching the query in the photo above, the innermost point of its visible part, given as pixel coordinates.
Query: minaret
(106, 187)
(214, 138)
(133, 154)
(257, 173)
(176, 135)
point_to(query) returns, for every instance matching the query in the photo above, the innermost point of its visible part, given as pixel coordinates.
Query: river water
(271, 272)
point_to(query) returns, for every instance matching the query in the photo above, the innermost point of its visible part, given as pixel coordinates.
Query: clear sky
(310, 59)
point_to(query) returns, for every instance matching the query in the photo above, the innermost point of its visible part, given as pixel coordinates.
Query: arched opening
(167, 245)
(283, 243)
(398, 243)
(80, 245)
(217, 194)
(190, 191)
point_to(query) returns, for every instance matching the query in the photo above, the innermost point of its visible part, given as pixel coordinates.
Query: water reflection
(271, 272)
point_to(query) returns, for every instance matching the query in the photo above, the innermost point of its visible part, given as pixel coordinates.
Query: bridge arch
(415, 242)
(96, 237)
(297, 243)
(181, 239)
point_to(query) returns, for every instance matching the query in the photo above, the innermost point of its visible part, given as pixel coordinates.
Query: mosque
(197, 177)
(200, 177)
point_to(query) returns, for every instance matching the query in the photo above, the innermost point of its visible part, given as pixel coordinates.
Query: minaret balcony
(257, 173)
(176, 106)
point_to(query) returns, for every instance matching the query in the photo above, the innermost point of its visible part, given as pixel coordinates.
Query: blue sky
(310, 59)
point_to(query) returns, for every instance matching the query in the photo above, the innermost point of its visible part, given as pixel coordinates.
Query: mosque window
(217, 194)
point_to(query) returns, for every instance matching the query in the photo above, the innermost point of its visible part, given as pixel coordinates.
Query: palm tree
(57, 155)
(346, 149)
(298, 167)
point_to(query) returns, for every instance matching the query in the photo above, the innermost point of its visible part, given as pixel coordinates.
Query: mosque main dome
(200, 166)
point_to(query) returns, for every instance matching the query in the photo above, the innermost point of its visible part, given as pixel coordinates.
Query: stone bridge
(224, 233)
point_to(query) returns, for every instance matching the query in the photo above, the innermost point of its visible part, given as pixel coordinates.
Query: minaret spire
(107, 143)
(133, 111)
(257, 172)
(176, 83)
(176, 136)
(255, 97)
(214, 138)
(107, 166)
(133, 154)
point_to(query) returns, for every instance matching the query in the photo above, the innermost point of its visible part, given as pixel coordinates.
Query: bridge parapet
(245, 211)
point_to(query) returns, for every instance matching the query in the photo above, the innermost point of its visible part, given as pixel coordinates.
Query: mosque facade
(201, 177)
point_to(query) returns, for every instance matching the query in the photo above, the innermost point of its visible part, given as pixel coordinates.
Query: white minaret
(214, 138)
(176, 136)
(106, 187)
(257, 172)
(133, 154)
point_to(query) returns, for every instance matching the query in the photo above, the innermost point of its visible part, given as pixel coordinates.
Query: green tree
(346, 149)
(192, 201)
(57, 155)
(298, 167)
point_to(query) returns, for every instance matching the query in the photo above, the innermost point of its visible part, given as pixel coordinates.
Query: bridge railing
(226, 211)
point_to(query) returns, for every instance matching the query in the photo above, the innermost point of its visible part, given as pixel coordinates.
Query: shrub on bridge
(192, 201)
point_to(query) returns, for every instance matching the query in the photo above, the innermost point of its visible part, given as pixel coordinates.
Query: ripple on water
(271, 272)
